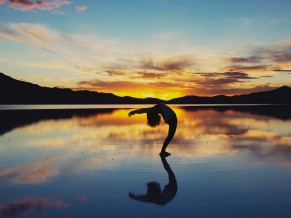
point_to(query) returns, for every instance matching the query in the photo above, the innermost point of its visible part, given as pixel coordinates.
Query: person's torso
(166, 112)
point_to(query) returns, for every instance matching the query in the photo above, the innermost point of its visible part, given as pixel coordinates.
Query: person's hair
(154, 189)
(153, 118)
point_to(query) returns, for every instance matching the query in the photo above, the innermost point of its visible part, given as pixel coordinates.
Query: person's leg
(171, 133)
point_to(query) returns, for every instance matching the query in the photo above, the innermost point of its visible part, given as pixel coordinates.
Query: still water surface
(225, 162)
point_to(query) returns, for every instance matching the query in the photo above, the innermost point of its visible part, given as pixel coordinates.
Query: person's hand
(131, 113)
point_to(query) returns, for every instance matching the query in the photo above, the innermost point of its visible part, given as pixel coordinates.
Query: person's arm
(139, 111)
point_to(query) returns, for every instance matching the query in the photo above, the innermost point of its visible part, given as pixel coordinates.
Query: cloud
(251, 59)
(114, 73)
(120, 85)
(284, 71)
(44, 5)
(128, 74)
(109, 62)
(150, 64)
(171, 64)
(146, 72)
(222, 79)
(237, 75)
(268, 57)
(36, 32)
(149, 75)
(140, 83)
(247, 67)
(81, 8)
(127, 82)
(278, 55)
(53, 41)
(35, 35)
(90, 42)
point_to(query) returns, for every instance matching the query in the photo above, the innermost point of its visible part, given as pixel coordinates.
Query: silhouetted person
(154, 119)
(154, 193)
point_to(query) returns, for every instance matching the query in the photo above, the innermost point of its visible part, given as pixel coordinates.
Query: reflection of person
(154, 193)
(154, 119)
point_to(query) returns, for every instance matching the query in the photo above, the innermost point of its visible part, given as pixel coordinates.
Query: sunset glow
(162, 49)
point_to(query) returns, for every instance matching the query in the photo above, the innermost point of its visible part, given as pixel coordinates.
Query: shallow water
(225, 162)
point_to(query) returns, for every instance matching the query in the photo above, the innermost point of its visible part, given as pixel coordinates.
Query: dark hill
(13, 91)
(281, 95)
(276, 96)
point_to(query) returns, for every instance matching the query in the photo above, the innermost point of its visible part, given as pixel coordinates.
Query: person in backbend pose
(154, 119)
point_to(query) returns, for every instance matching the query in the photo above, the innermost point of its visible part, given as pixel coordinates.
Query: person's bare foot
(165, 154)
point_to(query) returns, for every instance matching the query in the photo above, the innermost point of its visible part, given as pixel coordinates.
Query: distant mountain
(281, 95)
(13, 91)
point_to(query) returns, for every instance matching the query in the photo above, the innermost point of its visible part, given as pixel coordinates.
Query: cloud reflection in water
(22, 206)
(66, 146)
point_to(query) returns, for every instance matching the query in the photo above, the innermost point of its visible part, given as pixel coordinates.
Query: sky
(148, 48)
